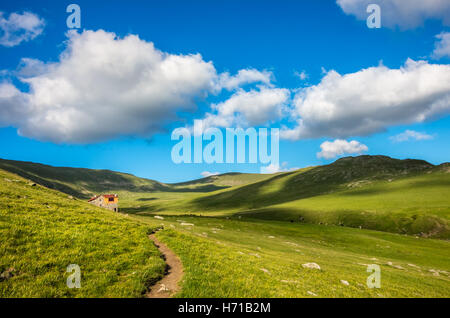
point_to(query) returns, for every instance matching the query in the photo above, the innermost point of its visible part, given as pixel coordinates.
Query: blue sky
(279, 37)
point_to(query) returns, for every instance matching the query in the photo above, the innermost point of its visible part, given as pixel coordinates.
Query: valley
(237, 235)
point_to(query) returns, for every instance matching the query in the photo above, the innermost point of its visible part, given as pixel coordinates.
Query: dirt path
(168, 285)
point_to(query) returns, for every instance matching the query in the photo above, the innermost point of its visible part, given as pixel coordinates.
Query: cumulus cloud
(103, 87)
(246, 76)
(403, 13)
(248, 108)
(408, 135)
(206, 174)
(339, 147)
(442, 46)
(18, 28)
(275, 168)
(370, 100)
(13, 104)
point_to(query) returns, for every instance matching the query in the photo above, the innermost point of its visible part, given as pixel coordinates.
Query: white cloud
(403, 13)
(410, 135)
(339, 147)
(370, 100)
(275, 168)
(103, 87)
(272, 168)
(13, 104)
(31, 67)
(18, 28)
(442, 46)
(248, 108)
(301, 75)
(206, 174)
(243, 77)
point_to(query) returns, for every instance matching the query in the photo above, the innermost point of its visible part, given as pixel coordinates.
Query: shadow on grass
(364, 192)
(313, 182)
(203, 188)
(135, 210)
(429, 226)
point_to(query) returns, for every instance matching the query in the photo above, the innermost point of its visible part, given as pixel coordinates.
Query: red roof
(103, 195)
(93, 198)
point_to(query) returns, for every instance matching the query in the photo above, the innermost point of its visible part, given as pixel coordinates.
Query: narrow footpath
(169, 284)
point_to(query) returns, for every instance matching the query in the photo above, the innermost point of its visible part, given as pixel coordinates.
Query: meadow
(43, 231)
(237, 235)
(254, 258)
(407, 197)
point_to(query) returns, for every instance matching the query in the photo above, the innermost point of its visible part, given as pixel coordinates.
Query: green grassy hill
(374, 192)
(84, 183)
(311, 182)
(415, 205)
(221, 181)
(79, 182)
(43, 231)
(256, 258)
(254, 250)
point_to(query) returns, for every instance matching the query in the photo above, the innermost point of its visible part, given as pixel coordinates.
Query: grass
(407, 197)
(43, 231)
(218, 182)
(312, 182)
(250, 237)
(417, 205)
(255, 258)
(79, 182)
(85, 183)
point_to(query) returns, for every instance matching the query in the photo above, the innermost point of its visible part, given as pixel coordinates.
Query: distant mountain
(220, 181)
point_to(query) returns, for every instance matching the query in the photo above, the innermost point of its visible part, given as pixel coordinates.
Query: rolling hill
(221, 181)
(44, 231)
(248, 252)
(374, 192)
(84, 183)
(304, 183)
(79, 182)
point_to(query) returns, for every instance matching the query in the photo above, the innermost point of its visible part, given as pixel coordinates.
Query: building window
(111, 199)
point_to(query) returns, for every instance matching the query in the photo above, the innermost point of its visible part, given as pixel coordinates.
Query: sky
(108, 95)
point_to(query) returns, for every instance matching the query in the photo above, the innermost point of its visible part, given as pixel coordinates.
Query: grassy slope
(230, 258)
(400, 196)
(43, 231)
(375, 192)
(310, 182)
(418, 205)
(83, 183)
(79, 182)
(222, 258)
(221, 181)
